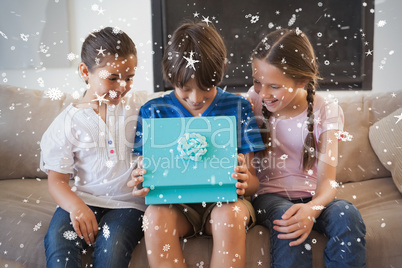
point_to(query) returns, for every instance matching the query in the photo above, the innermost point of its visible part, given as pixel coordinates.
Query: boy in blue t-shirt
(223, 104)
(194, 63)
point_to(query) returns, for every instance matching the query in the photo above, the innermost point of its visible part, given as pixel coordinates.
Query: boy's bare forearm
(253, 183)
(61, 192)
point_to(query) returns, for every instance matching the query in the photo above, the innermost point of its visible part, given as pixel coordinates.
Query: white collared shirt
(96, 153)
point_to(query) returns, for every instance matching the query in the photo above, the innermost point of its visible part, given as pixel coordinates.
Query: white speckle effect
(71, 56)
(103, 74)
(292, 20)
(166, 247)
(37, 226)
(145, 224)
(70, 235)
(106, 231)
(109, 164)
(75, 95)
(317, 207)
(54, 94)
(381, 23)
(112, 93)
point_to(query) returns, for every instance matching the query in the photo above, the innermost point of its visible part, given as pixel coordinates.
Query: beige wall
(133, 17)
(387, 46)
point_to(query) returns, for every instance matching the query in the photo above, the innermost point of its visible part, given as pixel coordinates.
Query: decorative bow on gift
(192, 146)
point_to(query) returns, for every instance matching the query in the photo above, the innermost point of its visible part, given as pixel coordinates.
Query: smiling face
(112, 78)
(281, 95)
(195, 100)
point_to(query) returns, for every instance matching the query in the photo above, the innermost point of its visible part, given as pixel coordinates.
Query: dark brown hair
(290, 50)
(112, 41)
(202, 43)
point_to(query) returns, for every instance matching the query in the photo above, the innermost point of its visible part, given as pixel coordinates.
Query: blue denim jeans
(119, 233)
(340, 221)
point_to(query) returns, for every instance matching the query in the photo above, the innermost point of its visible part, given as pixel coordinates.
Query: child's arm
(82, 217)
(326, 170)
(245, 174)
(297, 222)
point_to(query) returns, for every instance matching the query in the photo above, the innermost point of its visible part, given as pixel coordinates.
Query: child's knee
(161, 217)
(345, 214)
(230, 215)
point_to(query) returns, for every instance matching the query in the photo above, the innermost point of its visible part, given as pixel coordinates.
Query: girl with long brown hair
(298, 168)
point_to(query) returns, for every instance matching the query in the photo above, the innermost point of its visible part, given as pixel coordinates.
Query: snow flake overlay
(166, 247)
(191, 61)
(37, 226)
(317, 207)
(105, 231)
(399, 118)
(70, 235)
(112, 94)
(54, 94)
(100, 99)
(381, 23)
(236, 209)
(103, 74)
(206, 20)
(145, 224)
(343, 136)
(292, 20)
(71, 56)
(253, 19)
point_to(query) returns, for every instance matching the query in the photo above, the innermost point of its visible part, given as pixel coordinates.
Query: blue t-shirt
(224, 104)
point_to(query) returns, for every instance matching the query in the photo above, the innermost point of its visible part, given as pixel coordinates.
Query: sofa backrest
(357, 160)
(25, 114)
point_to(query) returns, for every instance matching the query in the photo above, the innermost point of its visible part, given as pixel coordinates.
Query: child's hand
(296, 223)
(84, 223)
(241, 174)
(136, 179)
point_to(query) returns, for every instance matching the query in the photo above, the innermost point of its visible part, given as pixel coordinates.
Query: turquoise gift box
(190, 159)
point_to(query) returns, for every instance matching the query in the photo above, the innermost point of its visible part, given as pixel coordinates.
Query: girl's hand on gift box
(137, 179)
(241, 174)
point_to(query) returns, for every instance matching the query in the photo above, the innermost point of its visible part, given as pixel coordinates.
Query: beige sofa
(26, 207)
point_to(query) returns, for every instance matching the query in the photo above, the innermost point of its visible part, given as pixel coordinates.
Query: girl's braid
(309, 152)
(265, 125)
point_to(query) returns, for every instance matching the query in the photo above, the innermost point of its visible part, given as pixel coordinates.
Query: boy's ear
(84, 71)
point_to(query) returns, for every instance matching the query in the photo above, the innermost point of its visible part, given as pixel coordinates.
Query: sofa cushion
(26, 211)
(380, 205)
(386, 140)
(357, 159)
(25, 116)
